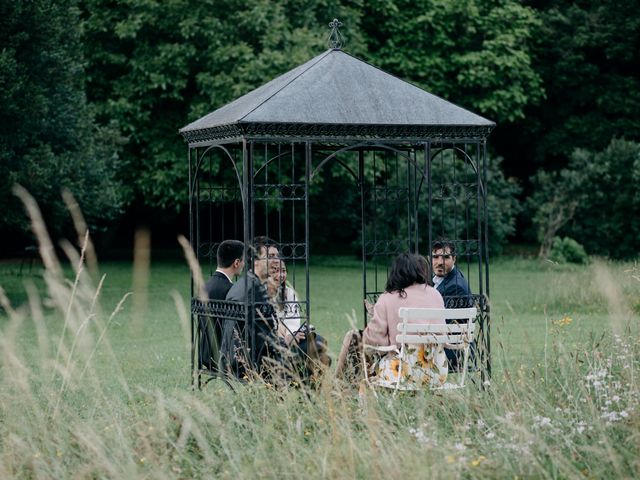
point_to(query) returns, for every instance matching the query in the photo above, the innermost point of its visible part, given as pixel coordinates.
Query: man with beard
(452, 285)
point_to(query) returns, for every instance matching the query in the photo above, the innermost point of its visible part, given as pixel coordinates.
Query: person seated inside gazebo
(234, 361)
(284, 297)
(289, 313)
(408, 285)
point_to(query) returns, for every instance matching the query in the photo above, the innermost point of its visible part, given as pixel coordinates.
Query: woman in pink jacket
(407, 286)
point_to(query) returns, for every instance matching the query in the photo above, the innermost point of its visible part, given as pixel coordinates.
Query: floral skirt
(420, 366)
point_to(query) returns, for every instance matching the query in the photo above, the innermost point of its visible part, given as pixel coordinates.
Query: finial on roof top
(335, 37)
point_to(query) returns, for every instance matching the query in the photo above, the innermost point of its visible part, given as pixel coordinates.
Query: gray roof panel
(337, 88)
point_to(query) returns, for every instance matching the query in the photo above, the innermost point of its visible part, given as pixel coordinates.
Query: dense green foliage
(588, 55)
(472, 52)
(155, 66)
(94, 91)
(503, 205)
(48, 139)
(595, 199)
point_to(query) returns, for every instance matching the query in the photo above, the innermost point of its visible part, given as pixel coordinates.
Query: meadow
(95, 383)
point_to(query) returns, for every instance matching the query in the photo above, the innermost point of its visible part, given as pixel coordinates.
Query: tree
(475, 53)
(48, 140)
(588, 57)
(599, 194)
(503, 205)
(155, 66)
(554, 202)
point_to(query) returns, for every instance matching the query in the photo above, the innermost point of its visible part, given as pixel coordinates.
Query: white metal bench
(453, 336)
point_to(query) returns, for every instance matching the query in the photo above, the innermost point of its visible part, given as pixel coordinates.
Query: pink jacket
(382, 330)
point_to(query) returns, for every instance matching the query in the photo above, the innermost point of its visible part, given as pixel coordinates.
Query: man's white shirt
(218, 270)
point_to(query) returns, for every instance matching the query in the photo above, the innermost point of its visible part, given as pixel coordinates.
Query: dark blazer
(211, 327)
(456, 293)
(262, 324)
(455, 290)
(217, 286)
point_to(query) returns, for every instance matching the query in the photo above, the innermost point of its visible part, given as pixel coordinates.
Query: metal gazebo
(417, 163)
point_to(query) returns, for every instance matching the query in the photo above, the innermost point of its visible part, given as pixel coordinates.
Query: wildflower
(478, 461)
(450, 459)
(541, 421)
(459, 446)
(563, 322)
(611, 417)
(420, 436)
(489, 435)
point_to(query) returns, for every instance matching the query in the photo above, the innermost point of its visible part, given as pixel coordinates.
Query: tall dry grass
(574, 416)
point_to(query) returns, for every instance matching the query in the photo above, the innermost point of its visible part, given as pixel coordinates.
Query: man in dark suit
(451, 284)
(448, 279)
(230, 262)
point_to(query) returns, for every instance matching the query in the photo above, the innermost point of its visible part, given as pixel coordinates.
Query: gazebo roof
(338, 96)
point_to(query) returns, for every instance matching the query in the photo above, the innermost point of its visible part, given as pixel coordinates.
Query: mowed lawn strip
(531, 303)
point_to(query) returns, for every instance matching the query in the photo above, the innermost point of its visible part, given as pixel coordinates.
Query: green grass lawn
(527, 296)
(115, 402)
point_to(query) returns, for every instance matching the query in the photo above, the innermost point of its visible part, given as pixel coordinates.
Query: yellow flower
(450, 459)
(563, 322)
(395, 368)
(422, 357)
(478, 461)
(395, 365)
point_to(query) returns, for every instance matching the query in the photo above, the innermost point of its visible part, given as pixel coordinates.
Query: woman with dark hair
(408, 285)
(285, 299)
(301, 337)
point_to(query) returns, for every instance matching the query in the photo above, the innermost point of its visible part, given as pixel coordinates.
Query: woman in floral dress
(422, 365)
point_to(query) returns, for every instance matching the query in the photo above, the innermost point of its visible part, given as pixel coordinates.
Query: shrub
(567, 250)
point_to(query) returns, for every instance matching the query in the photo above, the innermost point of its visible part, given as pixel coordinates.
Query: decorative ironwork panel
(274, 132)
(455, 191)
(386, 247)
(280, 192)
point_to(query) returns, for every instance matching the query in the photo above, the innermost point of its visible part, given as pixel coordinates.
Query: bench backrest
(429, 333)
